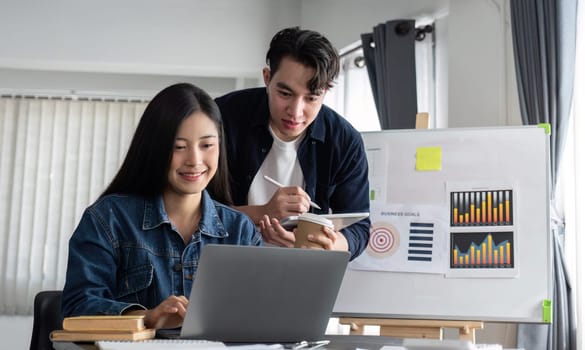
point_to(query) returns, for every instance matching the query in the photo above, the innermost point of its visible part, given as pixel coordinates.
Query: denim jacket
(332, 157)
(126, 254)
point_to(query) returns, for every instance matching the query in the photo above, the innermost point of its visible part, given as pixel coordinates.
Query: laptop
(249, 294)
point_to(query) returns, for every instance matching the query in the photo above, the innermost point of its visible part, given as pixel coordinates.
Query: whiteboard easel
(517, 156)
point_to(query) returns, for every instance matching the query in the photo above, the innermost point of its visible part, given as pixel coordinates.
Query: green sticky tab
(547, 311)
(546, 127)
(372, 195)
(428, 158)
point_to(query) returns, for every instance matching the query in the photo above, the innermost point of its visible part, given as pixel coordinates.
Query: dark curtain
(543, 33)
(389, 55)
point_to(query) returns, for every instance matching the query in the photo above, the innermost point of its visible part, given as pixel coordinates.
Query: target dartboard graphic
(384, 240)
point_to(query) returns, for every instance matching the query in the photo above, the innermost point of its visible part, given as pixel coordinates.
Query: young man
(285, 132)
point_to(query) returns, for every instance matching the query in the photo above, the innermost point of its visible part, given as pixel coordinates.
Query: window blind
(56, 156)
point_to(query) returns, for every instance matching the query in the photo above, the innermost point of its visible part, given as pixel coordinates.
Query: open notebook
(340, 220)
(158, 344)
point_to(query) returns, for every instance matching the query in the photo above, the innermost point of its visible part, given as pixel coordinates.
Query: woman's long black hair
(145, 169)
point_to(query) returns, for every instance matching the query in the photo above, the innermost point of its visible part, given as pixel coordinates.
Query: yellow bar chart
(482, 208)
(474, 250)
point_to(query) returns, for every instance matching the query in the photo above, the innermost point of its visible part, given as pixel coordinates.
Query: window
(352, 95)
(56, 156)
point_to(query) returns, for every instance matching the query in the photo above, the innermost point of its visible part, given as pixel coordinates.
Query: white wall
(193, 37)
(139, 46)
(162, 39)
(15, 332)
(480, 62)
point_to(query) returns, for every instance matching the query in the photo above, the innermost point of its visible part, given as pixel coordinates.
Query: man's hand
(274, 233)
(329, 240)
(287, 201)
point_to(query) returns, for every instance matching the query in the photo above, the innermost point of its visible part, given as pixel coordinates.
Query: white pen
(274, 182)
(308, 345)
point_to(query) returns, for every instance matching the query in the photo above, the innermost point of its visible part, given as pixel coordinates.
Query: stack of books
(103, 327)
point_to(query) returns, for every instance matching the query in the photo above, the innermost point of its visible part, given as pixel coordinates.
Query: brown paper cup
(310, 224)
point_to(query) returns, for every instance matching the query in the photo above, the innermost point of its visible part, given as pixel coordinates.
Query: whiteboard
(446, 174)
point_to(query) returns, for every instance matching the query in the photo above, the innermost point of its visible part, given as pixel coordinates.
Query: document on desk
(157, 344)
(178, 344)
(438, 344)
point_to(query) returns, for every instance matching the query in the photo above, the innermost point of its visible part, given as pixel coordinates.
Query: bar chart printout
(482, 208)
(479, 250)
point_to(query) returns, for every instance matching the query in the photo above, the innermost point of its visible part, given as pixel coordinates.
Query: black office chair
(47, 317)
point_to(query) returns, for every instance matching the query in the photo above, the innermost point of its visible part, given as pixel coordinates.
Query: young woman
(136, 249)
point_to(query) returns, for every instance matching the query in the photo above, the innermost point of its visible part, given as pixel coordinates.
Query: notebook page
(159, 344)
(177, 344)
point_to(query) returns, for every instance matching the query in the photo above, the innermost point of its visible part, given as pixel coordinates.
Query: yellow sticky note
(428, 158)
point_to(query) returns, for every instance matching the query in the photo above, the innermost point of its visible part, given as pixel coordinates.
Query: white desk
(343, 342)
(338, 342)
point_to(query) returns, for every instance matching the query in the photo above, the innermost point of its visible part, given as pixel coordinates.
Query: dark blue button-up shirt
(332, 158)
(125, 253)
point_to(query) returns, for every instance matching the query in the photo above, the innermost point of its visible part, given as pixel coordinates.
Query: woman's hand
(168, 314)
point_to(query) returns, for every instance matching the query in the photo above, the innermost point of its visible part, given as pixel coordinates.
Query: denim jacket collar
(209, 225)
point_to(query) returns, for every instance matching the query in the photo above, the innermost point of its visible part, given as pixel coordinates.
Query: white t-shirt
(282, 165)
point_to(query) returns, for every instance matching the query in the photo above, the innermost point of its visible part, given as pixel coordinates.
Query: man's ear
(266, 75)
